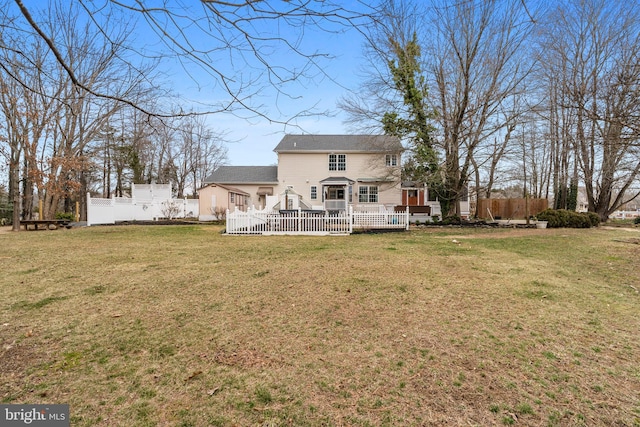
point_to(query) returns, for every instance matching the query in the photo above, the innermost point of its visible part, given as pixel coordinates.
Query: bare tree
(181, 151)
(477, 61)
(187, 150)
(488, 158)
(27, 115)
(243, 47)
(201, 151)
(592, 49)
(51, 121)
(132, 147)
(470, 65)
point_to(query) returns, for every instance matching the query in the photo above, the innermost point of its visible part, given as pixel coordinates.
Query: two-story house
(323, 172)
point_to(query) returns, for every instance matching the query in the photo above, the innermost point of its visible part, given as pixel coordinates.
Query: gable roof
(339, 143)
(229, 189)
(244, 175)
(337, 180)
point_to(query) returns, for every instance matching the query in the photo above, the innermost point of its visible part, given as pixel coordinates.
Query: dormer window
(392, 160)
(337, 162)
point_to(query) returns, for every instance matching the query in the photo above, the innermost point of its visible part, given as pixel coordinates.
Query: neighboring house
(320, 172)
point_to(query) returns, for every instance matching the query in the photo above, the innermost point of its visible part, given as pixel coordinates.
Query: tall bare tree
(27, 115)
(201, 151)
(50, 120)
(476, 56)
(592, 50)
(471, 64)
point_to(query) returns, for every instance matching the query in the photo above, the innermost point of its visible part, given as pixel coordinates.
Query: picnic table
(49, 224)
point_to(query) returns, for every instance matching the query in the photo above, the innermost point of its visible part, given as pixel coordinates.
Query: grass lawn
(183, 326)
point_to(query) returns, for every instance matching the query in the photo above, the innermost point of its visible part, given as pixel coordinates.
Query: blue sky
(251, 141)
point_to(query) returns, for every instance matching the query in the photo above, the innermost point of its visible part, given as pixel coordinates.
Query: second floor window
(392, 160)
(337, 162)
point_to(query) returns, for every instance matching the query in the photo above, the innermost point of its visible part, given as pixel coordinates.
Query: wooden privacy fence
(312, 222)
(510, 208)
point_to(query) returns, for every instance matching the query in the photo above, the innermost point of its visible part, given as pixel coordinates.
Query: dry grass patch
(185, 326)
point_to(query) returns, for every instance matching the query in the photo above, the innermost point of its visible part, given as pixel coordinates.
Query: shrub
(219, 213)
(451, 220)
(69, 216)
(170, 209)
(579, 220)
(551, 216)
(562, 218)
(594, 218)
(637, 220)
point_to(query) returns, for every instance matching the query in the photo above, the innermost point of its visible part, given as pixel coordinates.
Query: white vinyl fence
(110, 211)
(312, 222)
(625, 214)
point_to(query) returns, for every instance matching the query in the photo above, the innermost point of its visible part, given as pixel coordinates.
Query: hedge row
(562, 218)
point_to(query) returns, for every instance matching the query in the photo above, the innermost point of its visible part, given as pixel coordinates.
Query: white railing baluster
(255, 221)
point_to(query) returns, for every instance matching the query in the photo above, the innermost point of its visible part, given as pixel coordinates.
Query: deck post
(407, 218)
(88, 209)
(350, 219)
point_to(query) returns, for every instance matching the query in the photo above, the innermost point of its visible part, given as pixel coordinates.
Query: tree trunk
(14, 192)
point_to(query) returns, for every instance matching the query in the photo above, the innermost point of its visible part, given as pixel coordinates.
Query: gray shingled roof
(337, 180)
(244, 175)
(338, 143)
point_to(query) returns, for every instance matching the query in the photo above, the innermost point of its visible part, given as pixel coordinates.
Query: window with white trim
(314, 192)
(337, 162)
(368, 194)
(392, 160)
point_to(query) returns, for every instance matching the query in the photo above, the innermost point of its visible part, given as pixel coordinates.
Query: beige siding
(206, 196)
(214, 197)
(252, 190)
(303, 170)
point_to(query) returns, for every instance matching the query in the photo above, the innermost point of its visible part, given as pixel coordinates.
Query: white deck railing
(335, 205)
(312, 222)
